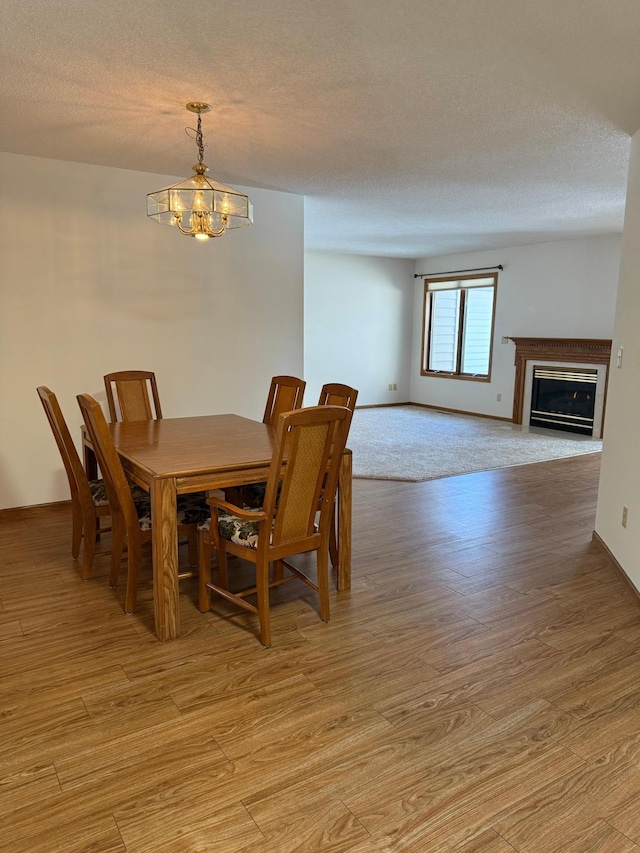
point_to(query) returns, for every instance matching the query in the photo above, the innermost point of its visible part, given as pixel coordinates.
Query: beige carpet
(411, 443)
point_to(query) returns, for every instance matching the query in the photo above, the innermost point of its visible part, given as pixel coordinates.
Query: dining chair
(331, 394)
(286, 524)
(336, 394)
(285, 395)
(131, 518)
(132, 389)
(89, 501)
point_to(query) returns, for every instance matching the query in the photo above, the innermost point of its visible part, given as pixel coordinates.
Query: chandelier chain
(197, 134)
(199, 140)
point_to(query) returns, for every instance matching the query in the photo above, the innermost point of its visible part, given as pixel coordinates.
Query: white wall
(89, 285)
(562, 289)
(357, 325)
(620, 477)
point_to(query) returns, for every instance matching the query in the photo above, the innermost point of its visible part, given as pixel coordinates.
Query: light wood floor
(478, 690)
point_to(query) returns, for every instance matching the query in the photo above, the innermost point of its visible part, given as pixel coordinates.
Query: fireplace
(580, 356)
(563, 398)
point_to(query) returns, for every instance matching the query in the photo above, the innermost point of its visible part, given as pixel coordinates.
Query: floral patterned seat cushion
(253, 494)
(99, 492)
(234, 529)
(192, 509)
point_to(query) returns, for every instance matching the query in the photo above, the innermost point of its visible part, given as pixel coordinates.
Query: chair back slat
(313, 440)
(285, 395)
(116, 483)
(76, 475)
(134, 392)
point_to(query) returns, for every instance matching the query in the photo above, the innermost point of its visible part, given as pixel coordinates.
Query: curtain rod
(451, 272)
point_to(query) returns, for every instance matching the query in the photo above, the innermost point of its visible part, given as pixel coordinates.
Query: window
(457, 330)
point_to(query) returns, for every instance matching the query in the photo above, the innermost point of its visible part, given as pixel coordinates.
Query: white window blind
(445, 319)
(476, 337)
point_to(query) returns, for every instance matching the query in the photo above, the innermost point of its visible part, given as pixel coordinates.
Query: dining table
(176, 456)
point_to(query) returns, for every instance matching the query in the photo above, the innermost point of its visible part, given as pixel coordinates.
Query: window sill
(468, 377)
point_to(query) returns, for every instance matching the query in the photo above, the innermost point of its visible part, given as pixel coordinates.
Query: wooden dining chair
(135, 391)
(285, 395)
(131, 519)
(252, 495)
(89, 501)
(286, 525)
(336, 394)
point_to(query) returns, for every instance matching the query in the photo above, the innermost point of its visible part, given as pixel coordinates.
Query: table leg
(165, 558)
(344, 523)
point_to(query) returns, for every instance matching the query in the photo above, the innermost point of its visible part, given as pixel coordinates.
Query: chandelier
(199, 206)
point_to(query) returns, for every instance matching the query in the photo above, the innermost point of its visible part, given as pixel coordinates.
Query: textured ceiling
(413, 127)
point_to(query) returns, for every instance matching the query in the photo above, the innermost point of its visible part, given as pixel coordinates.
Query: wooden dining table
(176, 456)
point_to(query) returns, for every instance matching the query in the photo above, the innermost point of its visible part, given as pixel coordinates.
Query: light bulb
(176, 209)
(200, 236)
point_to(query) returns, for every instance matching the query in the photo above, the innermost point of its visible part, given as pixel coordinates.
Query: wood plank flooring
(478, 690)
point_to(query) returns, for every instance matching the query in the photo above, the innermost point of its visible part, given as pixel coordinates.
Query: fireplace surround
(592, 354)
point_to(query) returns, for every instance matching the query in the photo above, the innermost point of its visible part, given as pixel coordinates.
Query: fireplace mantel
(580, 350)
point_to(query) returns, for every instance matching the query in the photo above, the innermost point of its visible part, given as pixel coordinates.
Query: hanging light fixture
(200, 207)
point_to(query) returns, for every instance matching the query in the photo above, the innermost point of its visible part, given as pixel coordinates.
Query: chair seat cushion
(99, 492)
(238, 531)
(234, 529)
(253, 494)
(192, 509)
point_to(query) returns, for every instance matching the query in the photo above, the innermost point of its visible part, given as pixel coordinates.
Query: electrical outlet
(625, 513)
(499, 397)
(504, 339)
(393, 386)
